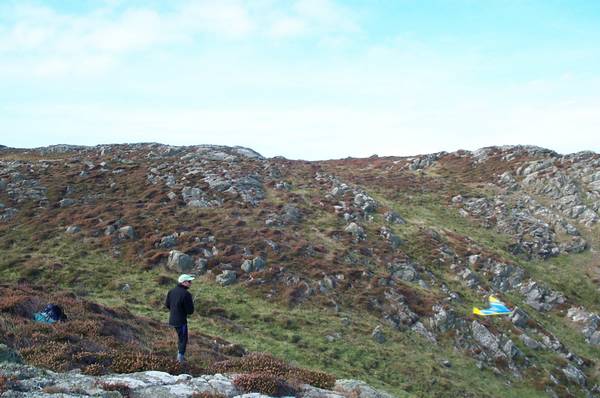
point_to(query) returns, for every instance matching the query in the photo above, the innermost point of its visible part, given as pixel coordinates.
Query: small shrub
(94, 369)
(255, 362)
(55, 390)
(123, 389)
(313, 377)
(206, 394)
(17, 305)
(264, 383)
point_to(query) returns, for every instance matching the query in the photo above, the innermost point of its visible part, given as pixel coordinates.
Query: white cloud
(328, 15)
(62, 42)
(229, 18)
(288, 27)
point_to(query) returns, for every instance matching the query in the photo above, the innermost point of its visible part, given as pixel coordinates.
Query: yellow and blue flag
(496, 307)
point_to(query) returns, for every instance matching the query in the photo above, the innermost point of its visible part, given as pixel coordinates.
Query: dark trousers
(182, 338)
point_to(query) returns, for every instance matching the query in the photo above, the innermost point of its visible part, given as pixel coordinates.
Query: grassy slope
(406, 365)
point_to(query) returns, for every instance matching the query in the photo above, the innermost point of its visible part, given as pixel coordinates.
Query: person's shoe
(180, 358)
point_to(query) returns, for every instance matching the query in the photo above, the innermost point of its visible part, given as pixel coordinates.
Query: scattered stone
(540, 297)
(172, 195)
(8, 214)
(73, 229)
(168, 241)
(393, 239)
(588, 322)
(574, 375)
(356, 230)
(67, 202)
(283, 186)
(201, 265)
(109, 230)
(378, 335)
(180, 261)
(393, 218)
(484, 337)
(258, 263)
(226, 278)
(127, 232)
(529, 342)
(291, 214)
(247, 266)
(359, 389)
(419, 328)
(519, 317)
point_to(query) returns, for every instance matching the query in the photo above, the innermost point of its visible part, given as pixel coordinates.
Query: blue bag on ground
(51, 314)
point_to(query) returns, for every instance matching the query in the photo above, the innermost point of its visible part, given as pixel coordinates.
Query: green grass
(406, 365)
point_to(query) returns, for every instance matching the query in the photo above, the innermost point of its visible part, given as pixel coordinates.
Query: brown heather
(264, 383)
(95, 338)
(265, 364)
(123, 389)
(207, 395)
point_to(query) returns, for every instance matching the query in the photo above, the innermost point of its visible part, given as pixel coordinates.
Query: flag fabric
(496, 307)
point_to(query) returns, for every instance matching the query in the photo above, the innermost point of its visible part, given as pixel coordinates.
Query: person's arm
(189, 304)
(168, 301)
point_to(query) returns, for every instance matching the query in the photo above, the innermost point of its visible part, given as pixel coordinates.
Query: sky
(304, 79)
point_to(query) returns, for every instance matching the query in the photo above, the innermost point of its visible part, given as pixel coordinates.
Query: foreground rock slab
(29, 382)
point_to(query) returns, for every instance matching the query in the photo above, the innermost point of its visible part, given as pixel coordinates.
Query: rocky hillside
(359, 268)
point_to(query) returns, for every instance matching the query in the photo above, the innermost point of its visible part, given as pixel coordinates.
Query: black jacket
(179, 302)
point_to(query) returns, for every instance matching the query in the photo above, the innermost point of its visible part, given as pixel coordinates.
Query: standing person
(179, 301)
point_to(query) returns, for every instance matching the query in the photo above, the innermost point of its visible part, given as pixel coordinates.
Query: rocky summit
(310, 276)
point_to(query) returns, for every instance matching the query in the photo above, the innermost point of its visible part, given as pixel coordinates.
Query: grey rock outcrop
(73, 229)
(180, 261)
(484, 337)
(356, 230)
(127, 232)
(359, 389)
(29, 382)
(378, 335)
(588, 322)
(226, 278)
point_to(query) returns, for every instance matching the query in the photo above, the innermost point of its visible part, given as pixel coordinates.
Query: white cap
(185, 278)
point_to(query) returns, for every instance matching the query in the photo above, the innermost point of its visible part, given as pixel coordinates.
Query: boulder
(360, 389)
(484, 337)
(66, 202)
(247, 266)
(291, 214)
(594, 338)
(393, 239)
(201, 265)
(392, 217)
(226, 278)
(73, 229)
(191, 193)
(574, 375)
(166, 242)
(258, 263)
(356, 230)
(180, 261)
(127, 232)
(378, 335)
(529, 342)
(8, 214)
(519, 317)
